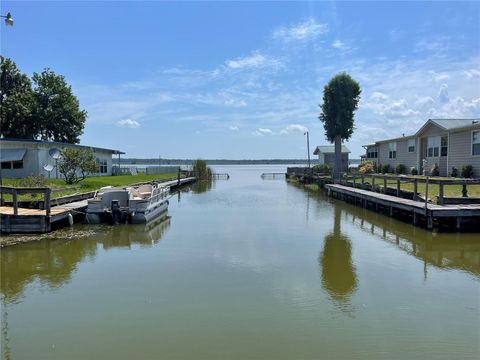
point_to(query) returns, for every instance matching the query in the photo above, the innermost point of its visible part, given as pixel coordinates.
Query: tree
(340, 100)
(16, 102)
(49, 111)
(57, 110)
(76, 164)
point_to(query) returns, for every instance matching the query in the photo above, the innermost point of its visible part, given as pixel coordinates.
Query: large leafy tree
(57, 109)
(49, 111)
(16, 102)
(340, 101)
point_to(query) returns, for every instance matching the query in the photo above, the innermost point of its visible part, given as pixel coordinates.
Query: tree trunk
(337, 165)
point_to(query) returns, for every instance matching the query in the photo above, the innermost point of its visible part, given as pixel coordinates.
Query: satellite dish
(55, 153)
(48, 167)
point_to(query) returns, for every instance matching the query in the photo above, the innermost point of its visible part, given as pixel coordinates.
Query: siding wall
(460, 152)
(403, 156)
(30, 160)
(442, 161)
(37, 157)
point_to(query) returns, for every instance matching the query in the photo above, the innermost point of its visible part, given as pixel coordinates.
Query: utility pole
(308, 147)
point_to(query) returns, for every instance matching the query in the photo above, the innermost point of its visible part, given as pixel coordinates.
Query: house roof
(450, 124)
(329, 149)
(56, 143)
(445, 124)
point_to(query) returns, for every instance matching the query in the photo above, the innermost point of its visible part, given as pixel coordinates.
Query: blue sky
(244, 79)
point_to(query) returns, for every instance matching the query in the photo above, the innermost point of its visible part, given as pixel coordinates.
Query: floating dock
(425, 211)
(18, 220)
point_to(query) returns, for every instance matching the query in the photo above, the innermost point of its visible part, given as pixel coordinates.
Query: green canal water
(244, 269)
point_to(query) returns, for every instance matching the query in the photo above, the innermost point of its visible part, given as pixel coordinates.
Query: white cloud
(256, 60)
(378, 96)
(424, 101)
(293, 128)
(472, 73)
(262, 132)
(265, 131)
(235, 103)
(381, 104)
(342, 46)
(437, 76)
(443, 96)
(303, 31)
(234, 128)
(128, 123)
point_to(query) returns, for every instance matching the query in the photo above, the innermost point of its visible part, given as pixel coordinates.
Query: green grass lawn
(59, 188)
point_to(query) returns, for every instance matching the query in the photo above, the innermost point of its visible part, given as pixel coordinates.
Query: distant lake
(244, 269)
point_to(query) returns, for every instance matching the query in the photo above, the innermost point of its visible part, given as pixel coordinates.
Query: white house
(24, 157)
(446, 142)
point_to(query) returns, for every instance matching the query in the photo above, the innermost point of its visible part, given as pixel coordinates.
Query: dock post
(415, 190)
(373, 182)
(15, 202)
(464, 189)
(385, 185)
(47, 201)
(429, 222)
(440, 193)
(398, 187)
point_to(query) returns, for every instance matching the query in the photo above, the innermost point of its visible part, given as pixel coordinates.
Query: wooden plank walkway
(417, 208)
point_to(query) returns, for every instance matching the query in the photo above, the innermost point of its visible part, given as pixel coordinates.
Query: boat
(133, 204)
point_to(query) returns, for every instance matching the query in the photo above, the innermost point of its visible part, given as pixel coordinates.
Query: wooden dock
(19, 220)
(416, 209)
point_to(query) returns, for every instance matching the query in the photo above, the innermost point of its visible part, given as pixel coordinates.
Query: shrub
(322, 168)
(366, 167)
(467, 171)
(435, 171)
(413, 170)
(400, 169)
(385, 168)
(201, 170)
(33, 181)
(76, 164)
(454, 172)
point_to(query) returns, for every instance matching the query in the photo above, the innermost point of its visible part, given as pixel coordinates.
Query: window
(102, 166)
(372, 153)
(12, 164)
(444, 146)
(433, 146)
(476, 143)
(411, 145)
(392, 150)
(17, 164)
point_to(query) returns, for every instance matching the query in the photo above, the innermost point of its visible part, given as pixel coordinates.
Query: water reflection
(202, 186)
(459, 251)
(335, 260)
(53, 260)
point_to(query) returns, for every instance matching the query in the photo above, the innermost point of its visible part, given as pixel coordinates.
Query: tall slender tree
(340, 101)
